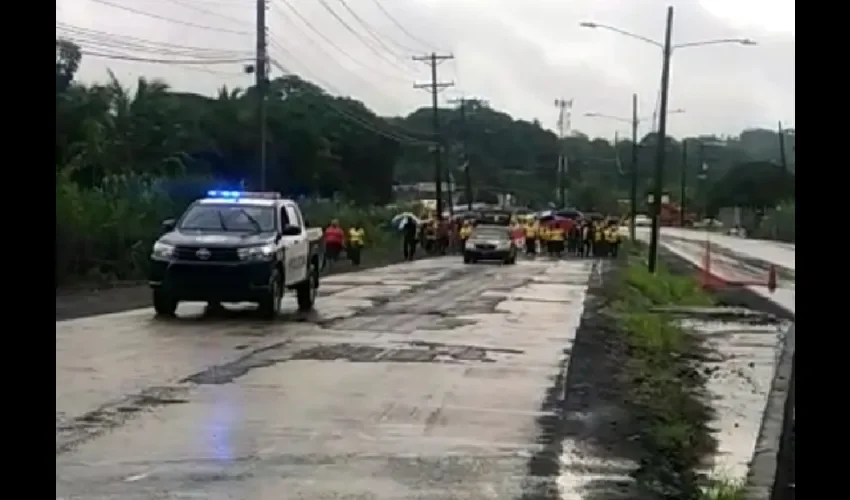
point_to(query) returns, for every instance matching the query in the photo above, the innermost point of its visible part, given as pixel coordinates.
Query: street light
(718, 41)
(634, 122)
(667, 49)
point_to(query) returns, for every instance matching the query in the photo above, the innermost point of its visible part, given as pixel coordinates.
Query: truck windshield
(228, 218)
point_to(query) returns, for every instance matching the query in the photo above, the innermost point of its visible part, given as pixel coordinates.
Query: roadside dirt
(588, 403)
(81, 301)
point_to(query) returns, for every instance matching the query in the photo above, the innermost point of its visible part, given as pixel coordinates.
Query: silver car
(490, 243)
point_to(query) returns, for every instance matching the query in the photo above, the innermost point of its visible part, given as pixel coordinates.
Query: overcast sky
(519, 54)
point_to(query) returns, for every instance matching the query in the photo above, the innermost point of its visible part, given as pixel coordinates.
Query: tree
(756, 185)
(68, 58)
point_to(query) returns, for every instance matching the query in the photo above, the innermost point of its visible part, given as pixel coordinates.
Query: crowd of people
(337, 239)
(575, 237)
(554, 237)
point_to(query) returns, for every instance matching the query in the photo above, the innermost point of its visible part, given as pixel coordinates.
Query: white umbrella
(401, 219)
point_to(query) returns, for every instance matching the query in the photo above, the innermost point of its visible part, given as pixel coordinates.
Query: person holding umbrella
(409, 226)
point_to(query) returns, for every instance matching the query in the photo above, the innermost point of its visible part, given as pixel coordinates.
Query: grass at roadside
(724, 489)
(663, 374)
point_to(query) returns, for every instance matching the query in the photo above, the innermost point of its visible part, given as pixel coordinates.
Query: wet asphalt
(422, 380)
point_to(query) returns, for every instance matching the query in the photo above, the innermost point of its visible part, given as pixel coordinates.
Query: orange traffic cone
(771, 278)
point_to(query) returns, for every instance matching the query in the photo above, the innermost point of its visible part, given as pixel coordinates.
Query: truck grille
(485, 247)
(216, 254)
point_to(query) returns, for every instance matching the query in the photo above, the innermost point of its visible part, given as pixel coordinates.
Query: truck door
(296, 247)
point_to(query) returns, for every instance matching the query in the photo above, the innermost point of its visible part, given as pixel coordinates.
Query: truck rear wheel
(163, 304)
(307, 290)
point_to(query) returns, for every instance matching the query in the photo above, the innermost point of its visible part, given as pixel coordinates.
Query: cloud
(520, 55)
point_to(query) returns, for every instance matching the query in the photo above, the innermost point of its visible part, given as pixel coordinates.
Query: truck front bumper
(212, 281)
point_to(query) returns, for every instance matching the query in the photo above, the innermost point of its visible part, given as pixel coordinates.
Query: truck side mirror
(306, 223)
(290, 230)
(168, 225)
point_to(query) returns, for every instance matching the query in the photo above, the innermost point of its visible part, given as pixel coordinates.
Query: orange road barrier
(710, 280)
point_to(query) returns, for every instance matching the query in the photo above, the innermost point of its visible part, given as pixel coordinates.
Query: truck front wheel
(163, 304)
(270, 302)
(306, 291)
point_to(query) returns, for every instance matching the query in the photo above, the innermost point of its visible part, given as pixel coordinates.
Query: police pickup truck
(236, 247)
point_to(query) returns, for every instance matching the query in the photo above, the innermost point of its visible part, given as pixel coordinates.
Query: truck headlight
(162, 251)
(503, 245)
(265, 252)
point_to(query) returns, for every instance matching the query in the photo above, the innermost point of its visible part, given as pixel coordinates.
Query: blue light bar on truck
(235, 195)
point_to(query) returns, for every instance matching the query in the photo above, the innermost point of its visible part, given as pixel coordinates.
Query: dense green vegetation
(128, 157)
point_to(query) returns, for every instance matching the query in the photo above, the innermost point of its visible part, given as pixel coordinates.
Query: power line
(291, 57)
(109, 41)
(327, 40)
(401, 26)
(207, 12)
(372, 32)
(124, 57)
(148, 52)
(169, 19)
(360, 121)
(402, 135)
(141, 50)
(221, 3)
(138, 44)
(357, 35)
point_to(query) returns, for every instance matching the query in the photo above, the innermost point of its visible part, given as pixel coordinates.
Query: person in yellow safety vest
(557, 236)
(598, 240)
(543, 236)
(356, 241)
(465, 231)
(429, 236)
(531, 230)
(612, 239)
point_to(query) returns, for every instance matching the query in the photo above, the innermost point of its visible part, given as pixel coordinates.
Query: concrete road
(423, 380)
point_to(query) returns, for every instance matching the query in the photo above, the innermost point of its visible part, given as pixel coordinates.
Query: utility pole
(564, 108)
(450, 192)
(467, 175)
(702, 177)
(783, 158)
(683, 183)
(435, 87)
(634, 173)
(662, 142)
(261, 84)
(466, 164)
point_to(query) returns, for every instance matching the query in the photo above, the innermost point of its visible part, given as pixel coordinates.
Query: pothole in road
(414, 353)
